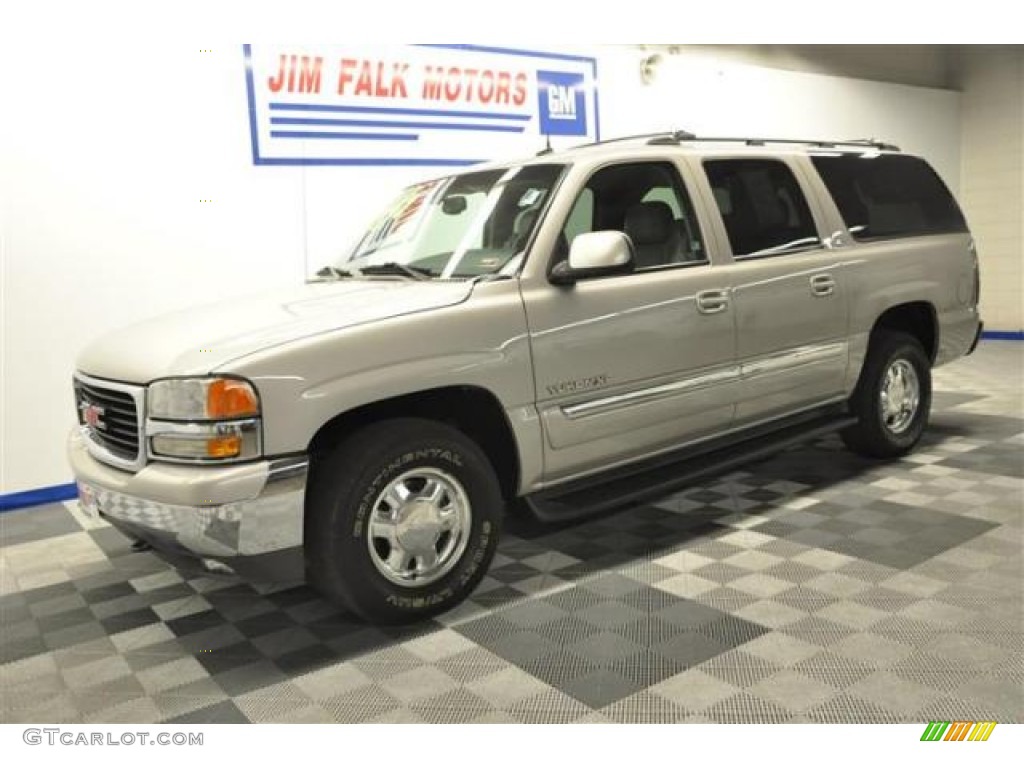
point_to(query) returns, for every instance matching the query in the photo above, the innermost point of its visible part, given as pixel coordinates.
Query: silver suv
(575, 330)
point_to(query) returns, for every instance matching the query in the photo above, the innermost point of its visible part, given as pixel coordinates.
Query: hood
(206, 338)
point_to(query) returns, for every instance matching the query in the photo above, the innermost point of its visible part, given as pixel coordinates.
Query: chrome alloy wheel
(418, 527)
(900, 396)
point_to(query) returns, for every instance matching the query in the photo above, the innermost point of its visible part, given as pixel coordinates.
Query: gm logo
(563, 110)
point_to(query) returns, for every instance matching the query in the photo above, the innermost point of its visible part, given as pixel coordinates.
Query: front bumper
(977, 337)
(248, 517)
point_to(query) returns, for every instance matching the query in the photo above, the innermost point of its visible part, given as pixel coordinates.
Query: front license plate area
(88, 501)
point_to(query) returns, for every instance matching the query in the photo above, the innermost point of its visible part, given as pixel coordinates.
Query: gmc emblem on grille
(92, 415)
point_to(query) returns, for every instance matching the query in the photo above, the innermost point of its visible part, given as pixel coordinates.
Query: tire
(896, 367)
(370, 524)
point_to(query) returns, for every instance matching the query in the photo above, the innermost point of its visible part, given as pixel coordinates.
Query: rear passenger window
(882, 196)
(764, 210)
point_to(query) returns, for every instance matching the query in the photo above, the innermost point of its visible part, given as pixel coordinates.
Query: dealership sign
(413, 105)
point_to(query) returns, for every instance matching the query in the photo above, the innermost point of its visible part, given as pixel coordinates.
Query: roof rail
(678, 137)
(662, 137)
(681, 136)
(882, 145)
(674, 138)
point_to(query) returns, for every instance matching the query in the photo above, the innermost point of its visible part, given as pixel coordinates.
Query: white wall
(710, 96)
(992, 191)
(106, 161)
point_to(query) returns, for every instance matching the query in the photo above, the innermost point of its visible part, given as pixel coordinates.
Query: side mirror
(595, 254)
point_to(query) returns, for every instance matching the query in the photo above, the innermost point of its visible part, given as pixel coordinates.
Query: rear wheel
(402, 520)
(892, 399)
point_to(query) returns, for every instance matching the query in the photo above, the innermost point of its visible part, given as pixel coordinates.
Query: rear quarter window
(886, 196)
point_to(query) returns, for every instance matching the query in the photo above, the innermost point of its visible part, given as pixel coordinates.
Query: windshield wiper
(486, 277)
(394, 268)
(333, 273)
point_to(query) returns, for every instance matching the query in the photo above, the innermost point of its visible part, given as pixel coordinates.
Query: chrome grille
(111, 417)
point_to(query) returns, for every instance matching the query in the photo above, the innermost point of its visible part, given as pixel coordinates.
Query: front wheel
(892, 399)
(402, 520)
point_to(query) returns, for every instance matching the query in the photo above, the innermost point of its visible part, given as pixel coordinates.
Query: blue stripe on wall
(1003, 335)
(426, 162)
(347, 136)
(37, 496)
(280, 105)
(396, 124)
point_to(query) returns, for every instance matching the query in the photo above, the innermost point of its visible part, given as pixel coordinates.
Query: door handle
(823, 285)
(713, 301)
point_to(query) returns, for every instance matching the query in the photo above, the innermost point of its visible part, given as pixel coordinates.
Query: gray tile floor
(815, 586)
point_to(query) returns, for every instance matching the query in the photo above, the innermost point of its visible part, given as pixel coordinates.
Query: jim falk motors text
(398, 80)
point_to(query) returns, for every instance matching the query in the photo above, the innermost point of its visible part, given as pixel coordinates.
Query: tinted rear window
(889, 196)
(762, 207)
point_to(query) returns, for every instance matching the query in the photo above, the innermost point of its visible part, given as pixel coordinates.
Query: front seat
(652, 228)
(522, 228)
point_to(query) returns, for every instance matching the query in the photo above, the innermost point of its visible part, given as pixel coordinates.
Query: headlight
(202, 399)
(208, 420)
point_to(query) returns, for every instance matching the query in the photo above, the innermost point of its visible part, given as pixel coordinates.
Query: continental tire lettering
(365, 502)
(360, 516)
(419, 601)
(438, 453)
(473, 565)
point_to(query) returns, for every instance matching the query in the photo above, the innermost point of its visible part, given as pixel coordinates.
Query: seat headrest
(524, 221)
(649, 223)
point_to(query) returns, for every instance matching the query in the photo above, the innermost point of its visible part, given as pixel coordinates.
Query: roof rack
(680, 136)
(662, 137)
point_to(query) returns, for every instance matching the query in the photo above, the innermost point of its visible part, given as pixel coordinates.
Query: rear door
(788, 285)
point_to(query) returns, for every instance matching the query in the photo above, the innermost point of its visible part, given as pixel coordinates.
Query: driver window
(647, 202)
(581, 218)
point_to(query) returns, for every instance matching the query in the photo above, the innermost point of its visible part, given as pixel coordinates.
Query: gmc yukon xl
(574, 331)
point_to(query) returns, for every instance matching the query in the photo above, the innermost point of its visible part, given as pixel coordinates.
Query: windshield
(461, 226)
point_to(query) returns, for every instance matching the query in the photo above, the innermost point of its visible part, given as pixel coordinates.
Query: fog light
(197, 447)
(231, 441)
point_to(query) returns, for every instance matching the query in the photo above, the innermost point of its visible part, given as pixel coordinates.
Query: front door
(633, 364)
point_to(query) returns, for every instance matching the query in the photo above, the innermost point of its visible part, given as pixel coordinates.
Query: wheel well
(916, 318)
(472, 410)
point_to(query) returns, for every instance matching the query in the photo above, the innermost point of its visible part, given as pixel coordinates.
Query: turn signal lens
(224, 447)
(230, 399)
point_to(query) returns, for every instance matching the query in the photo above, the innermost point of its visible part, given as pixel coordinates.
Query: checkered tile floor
(815, 586)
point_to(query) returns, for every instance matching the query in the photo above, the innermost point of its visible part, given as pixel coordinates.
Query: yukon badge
(577, 385)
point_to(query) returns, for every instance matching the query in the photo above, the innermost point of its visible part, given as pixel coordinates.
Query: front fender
(481, 343)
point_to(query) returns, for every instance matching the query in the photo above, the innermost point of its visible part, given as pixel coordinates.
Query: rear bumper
(958, 332)
(252, 521)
